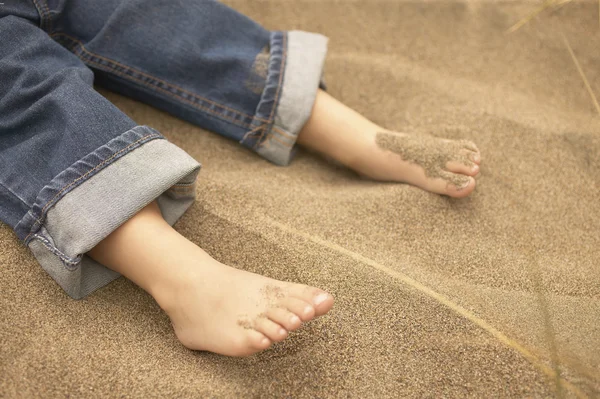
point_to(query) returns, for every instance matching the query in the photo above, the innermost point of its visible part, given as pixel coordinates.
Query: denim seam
(70, 264)
(277, 139)
(41, 9)
(261, 129)
(134, 71)
(279, 84)
(292, 112)
(87, 57)
(222, 116)
(265, 129)
(256, 130)
(166, 92)
(283, 132)
(281, 72)
(48, 17)
(50, 202)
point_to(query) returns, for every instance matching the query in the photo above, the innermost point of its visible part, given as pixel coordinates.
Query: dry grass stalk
(546, 4)
(557, 4)
(583, 77)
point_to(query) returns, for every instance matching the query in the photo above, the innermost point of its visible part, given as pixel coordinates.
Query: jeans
(73, 167)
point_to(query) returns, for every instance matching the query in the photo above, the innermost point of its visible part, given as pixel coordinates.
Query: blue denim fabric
(61, 142)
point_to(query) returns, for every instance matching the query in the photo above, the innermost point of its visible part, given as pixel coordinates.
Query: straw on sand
(555, 4)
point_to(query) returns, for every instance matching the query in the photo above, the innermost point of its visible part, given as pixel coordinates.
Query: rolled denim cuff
(294, 76)
(97, 194)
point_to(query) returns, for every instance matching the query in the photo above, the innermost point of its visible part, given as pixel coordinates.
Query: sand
(486, 296)
(430, 153)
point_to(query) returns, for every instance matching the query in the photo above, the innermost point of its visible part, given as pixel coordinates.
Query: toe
(270, 329)
(461, 190)
(257, 341)
(470, 155)
(246, 344)
(285, 318)
(475, 157)
(319, 299)
(304, 310)
(466, 167)
(468, 144)
(462, 187)
(322, 303)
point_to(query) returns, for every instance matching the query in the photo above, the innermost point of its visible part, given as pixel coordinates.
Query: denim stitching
(48, 16)
(126, 67)
(283, 132)
(39, 220)
(260, 129)
(64, 258)
(275, 138)
(281, 70)
(276, 100)
(41, 11)
(252, 132)
(261, 136)
(179, 98)
(168, 93)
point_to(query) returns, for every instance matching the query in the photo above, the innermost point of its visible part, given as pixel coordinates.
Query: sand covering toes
(429, 152)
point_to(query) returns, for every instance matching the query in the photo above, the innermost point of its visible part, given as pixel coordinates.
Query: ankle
(189, 269)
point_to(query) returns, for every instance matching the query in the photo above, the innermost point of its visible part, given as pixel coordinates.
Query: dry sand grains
(429, 152)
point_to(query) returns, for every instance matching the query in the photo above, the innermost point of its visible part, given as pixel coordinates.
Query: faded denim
(73, 167)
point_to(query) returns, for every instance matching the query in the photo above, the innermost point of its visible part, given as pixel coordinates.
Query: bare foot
(438, 165)
(213, 307)
(232, 312)
(433, 164)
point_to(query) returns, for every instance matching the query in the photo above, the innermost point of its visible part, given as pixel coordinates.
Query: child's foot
(433, 164)
(232, 312)
(438, 165)
(213, 307)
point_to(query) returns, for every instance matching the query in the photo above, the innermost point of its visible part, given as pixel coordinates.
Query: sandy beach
(494, 295)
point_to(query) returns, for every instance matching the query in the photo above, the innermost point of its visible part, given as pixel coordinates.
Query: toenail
(265, 341)
(464, 185)
(319, 299)
(308, 310)
(295, 319)
(282, 332)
